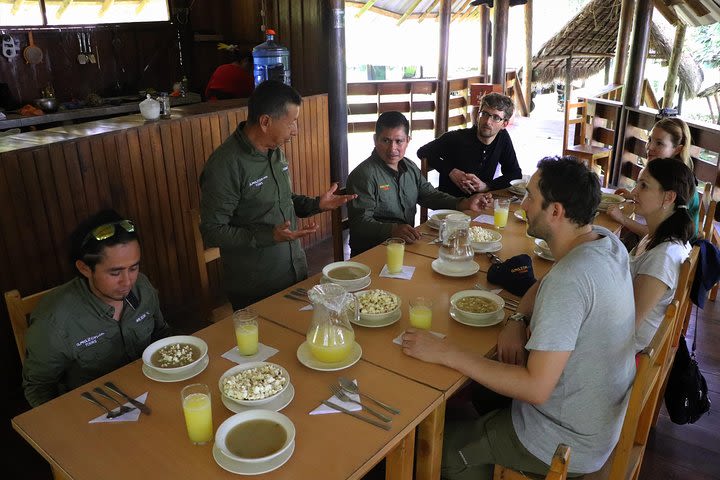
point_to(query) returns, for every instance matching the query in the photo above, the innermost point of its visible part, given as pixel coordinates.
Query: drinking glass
(246, 331)
(502, 207)
(198, 413)
(395, 252)
(421, 313)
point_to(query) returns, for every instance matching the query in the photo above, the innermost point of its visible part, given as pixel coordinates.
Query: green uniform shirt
(387, 197)
(73, 337)
(245, 194)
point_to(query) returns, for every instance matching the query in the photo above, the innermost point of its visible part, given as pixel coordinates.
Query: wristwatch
(519, 317)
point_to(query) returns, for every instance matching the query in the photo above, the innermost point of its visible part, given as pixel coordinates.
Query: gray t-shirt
(662, 262)
(584, 305)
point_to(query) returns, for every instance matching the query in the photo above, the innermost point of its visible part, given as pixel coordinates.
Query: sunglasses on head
(107, 230)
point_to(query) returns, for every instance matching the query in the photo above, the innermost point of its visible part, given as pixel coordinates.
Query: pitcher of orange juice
(331, 336)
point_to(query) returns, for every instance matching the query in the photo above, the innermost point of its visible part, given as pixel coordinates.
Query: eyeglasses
(103, 232)
(491, 116)
(396, 141)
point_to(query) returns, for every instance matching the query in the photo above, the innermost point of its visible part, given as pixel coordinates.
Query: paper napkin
(398, 340)
(323, 409)
(264, 352)
(484, 218)
(306, 307)
(406, 273)
(131, 416)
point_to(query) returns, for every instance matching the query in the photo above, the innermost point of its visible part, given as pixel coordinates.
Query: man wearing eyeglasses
(248, 208)
(97, 322)
(467, 159)
(389, 187)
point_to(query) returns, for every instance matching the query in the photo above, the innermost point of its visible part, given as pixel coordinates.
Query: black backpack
(686, 395)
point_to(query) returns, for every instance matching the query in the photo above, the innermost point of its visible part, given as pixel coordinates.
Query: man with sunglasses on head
(248, 208)
(389, 187)
(467, 159)
(97, 322)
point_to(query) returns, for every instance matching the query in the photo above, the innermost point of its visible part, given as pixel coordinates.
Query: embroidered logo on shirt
(90, 340)
(385, 187)
(258, 182)
(285, 168)
(142, 317)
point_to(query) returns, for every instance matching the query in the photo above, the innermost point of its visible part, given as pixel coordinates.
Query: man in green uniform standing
(248, 208)
(97, 322)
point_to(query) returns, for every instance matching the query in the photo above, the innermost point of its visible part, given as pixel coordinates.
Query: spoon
(350, 387)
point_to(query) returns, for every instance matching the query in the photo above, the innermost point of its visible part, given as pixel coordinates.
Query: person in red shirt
(232, 80)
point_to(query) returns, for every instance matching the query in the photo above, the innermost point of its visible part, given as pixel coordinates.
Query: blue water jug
(271, 61)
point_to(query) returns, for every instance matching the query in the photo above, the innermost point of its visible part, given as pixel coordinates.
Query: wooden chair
(205, 256)
(424, 170)
(584, 149)
(558, 468)
(340, 223)
(625, 461)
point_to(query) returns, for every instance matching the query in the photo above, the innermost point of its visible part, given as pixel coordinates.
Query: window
(81, 12)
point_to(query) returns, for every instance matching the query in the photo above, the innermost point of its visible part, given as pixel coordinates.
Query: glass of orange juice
(502, 208)
(246, 331)
(198, 413)
(395, 252)
(421, 313)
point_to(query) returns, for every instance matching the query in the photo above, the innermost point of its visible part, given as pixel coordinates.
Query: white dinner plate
(487, 247)
(153, 374)
(471, 269)
(388, 321)
(541, 254)
(306, 358)
(277, 404)
(251, 468)
(459, 317)
(325, 279)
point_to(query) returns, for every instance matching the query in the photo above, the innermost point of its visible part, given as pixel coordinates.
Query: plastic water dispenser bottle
(271, 61)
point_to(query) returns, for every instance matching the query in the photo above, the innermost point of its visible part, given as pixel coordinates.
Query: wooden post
(674, 65)
(442, 93)
(623, 40)
(632, 95)
(500, 31)
(484, 41)
(337, 90)
(528, 54)
(568, 79)
(607, 71)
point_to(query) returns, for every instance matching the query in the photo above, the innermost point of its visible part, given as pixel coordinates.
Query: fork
(123, 408)
(299, 299)
(88, 396)
(341, 395)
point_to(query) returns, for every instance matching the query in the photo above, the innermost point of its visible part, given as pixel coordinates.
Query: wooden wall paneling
(183, 200)
(122, 144)
(87, 170)
(304, 63)
(11, 220)
(116, 190)
(318, 162)
(64, 191)
(325, 159)
(192, 176)
(310, 160)
(207, 144)
(102, 175)
(74, 173)
(215, 135)
(199, 157)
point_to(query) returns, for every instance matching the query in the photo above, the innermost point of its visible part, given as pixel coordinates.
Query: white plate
(307, 359)
(153, 374)
(251, 468)
(472, 269)
(517, 190)
(325, 279)
(487, 247)
(540, 254)
(458, 317)
(433, 223)
(277, 404)
(519, 215)
(388, 321)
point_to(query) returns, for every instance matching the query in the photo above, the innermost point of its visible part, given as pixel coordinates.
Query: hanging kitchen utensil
(90, 54)
(10, 47)
(82, 58)
(32, 53)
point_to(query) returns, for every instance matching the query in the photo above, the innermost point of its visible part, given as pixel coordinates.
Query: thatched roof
(594, 31)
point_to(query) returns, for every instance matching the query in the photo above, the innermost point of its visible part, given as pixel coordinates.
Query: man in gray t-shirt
(574, 386)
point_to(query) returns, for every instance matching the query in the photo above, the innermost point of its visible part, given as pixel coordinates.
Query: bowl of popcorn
(377, 305)
(253, 384)
(482, 237)
(176, 354)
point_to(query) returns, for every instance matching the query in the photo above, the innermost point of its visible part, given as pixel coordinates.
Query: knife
(141, 406)
(337, 407)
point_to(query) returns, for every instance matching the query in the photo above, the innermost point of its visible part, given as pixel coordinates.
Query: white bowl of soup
(477, 305)
(255, 435)
(176, 354)
(253, 384)
(351, 275)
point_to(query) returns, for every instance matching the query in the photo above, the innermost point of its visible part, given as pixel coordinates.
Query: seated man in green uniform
(97, 322)
(248, 208)
(389, 187)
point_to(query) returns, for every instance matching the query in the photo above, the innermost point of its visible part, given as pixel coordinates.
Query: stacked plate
(609, 199)
(518, 187)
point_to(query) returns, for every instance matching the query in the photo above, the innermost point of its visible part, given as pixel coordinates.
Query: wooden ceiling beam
(106, 6)
(408, 11)
(666, 11)
(697, 7)
(428, 10)
(365, 8)
(141, 5)
(63, 7)
(16, 7)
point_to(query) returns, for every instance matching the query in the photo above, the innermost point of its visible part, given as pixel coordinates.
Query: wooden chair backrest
(424, 169)
(579, 119)
(19, 309)
(682, 292)
(707, 212)
(205, 256)
(558, 468)
(340, 223)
